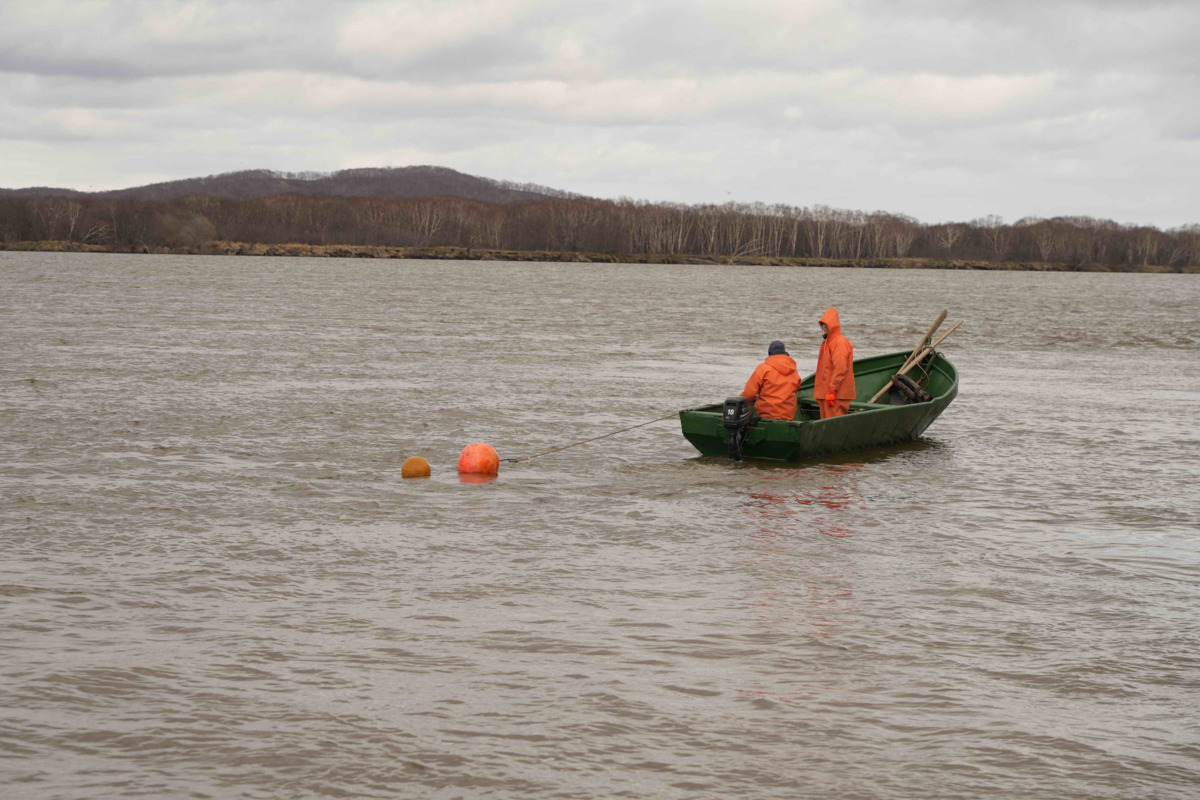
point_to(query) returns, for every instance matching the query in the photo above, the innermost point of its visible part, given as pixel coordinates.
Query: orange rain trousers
(834, 409)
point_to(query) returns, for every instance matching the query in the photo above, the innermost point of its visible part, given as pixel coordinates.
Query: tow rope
(585, 441)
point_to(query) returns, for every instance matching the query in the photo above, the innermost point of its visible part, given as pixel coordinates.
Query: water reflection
(470, 477)
(902, 451)
(805, 568)
(783, 507)
(806, 581)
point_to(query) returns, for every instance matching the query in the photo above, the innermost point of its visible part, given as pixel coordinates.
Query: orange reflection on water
(471, 477)
(780, 505)
(806, 587)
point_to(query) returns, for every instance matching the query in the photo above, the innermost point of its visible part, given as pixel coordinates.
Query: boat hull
(807, 436)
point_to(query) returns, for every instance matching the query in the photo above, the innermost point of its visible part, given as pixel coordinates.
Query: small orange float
(415, 467)
(479, 459)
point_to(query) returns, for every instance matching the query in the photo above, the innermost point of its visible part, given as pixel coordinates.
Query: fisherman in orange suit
(774, 384)
(833, 385)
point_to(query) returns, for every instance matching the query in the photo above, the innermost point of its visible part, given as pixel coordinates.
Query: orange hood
(782, 363)
(831, 319)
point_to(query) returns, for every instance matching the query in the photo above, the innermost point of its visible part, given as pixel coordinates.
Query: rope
(594, 438)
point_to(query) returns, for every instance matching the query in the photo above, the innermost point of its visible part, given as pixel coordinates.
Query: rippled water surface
(214, 582)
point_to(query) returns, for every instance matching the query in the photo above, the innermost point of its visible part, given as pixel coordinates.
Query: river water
(215, 584)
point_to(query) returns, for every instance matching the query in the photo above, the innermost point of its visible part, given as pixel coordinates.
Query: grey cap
(776, 349)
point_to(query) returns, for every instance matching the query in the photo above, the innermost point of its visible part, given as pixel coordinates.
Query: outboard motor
(736, 419)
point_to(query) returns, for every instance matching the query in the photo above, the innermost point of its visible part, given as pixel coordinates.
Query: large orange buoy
(479, 459)
(415, 467)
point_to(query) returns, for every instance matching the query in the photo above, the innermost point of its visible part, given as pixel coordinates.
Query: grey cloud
(121, 43)
(14, 61)
(251, 37)
(942, 109)
(100, 93)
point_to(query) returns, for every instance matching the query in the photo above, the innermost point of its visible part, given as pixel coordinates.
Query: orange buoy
(479, 459)
(415, 467)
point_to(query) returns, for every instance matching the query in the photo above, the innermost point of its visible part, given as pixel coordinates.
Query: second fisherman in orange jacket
(833, 386)
(772, 387)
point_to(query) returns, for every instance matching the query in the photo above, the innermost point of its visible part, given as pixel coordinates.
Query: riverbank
(487, 254)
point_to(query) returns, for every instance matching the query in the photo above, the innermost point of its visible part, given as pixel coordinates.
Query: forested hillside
(530, 218)
(369, 182)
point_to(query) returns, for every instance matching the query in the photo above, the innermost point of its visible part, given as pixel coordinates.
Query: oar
(916, 357)
(921, 344)
(937, 323)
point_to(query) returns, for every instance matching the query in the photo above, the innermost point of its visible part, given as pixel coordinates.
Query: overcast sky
(940, 109)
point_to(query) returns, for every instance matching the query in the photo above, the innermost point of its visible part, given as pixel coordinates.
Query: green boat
(901, 416)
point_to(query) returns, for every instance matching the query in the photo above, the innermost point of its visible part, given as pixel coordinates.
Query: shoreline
(447, 253)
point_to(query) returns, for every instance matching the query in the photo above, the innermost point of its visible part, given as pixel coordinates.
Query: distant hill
(368, 182)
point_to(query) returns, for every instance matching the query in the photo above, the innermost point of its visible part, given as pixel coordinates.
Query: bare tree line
(581, 224)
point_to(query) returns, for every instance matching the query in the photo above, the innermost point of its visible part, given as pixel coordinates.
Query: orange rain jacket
(774, 383)
(835, 363)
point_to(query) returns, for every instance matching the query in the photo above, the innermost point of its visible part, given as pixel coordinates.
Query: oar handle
(937, 323)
